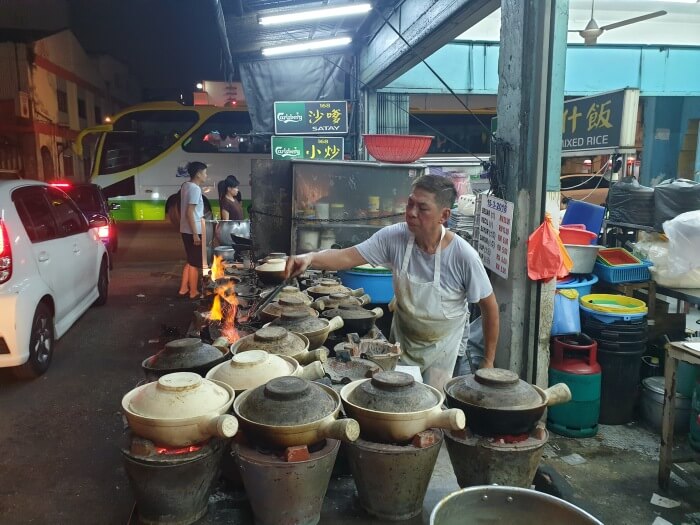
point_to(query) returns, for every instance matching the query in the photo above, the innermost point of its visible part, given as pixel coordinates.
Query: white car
(53, 267)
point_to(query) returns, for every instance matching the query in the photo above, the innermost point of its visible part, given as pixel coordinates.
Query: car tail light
(60, 184)
(103, 232)
(5, 254)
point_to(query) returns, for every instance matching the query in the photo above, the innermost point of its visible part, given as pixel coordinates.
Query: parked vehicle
(53, 267)
(589, 187)
(98, 211)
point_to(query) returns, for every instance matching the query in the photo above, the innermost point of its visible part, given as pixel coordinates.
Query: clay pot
(272, 271)
(328, 286)
(290, 292)
(393, 408)
(315, 329)
(343, 372)
(280, 341)
(335, 300)
(184, 355)
(355, 318)
(498, 402)
(291, 411)
(277, 308)
(180, 409)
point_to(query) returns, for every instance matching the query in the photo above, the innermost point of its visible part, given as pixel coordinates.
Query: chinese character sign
(592, 123)
(308, 148)
(308, 118)
(493, 227)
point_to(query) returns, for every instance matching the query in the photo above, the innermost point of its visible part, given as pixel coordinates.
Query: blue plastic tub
(628, 273)
(378, 286)
(581, 283)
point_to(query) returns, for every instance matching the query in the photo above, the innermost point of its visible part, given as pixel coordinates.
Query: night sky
(169, 45)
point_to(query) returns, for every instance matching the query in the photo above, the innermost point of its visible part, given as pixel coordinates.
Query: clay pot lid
(300, 322)
(394, 392)
(289, 304)
(340, 296)
(182, 354)
(252, 368)
(287, 401)
(494, 388)
(272, 265)
(178, 395)
(348, 311)
(273, 339)
(288, 292)
(327, 287)
(290, 301)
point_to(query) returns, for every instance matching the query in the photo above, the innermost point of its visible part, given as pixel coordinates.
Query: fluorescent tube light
(306, 46)
(315, 14)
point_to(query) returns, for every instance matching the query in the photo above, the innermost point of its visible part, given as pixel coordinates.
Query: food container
(256, 367)
(337, 211)
(227, 253)
(355, 318)
(375, 280)
(289, 292)
(272, 271)
(277, 308)
(329, 286)
(184, 355)
(652, 406)
(497, 402)
(327, 240)
(279, 341)
(308, 239)
(180, 409)
(392, 408)
(291, 411)
(315, 329)
(584, 257)
(334, 300)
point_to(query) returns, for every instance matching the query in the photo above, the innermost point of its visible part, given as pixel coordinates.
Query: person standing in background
(230, 199)
(192, 207)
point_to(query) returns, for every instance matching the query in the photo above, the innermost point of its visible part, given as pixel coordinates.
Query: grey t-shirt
(191, 194)
(460, 265)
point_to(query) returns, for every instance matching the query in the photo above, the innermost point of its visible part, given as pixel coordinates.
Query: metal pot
(276, 309)
(184, 355)
(280, 341)
(392, 408)
(355, 318)
(328, 286)
(652, 405)
(228, 231)
(227, 253)
(290, 292)
(256, 367)
(180, 409)
(315, 329)
(335, 300)
(291, 411)
(494, 504)
(272, 271)
(498, 402)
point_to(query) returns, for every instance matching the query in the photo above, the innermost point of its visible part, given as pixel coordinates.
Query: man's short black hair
(195, 167)
(442, 187)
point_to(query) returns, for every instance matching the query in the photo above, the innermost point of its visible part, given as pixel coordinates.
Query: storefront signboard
(493, 225)
(326, 117)
(601, 123)
(308, 148)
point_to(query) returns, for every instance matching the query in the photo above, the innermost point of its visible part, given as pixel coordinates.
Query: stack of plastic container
(619, 326)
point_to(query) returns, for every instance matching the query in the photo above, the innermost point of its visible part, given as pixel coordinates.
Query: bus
(140, 157)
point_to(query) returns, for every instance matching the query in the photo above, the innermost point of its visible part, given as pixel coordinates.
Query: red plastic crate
(617, 257)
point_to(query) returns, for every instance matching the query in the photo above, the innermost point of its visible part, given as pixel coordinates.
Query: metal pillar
(530, 104)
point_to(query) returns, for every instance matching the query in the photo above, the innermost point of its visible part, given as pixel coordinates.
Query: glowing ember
(167, 451)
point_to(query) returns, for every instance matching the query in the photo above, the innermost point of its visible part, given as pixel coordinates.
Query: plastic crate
(617, 257)
(623, 274)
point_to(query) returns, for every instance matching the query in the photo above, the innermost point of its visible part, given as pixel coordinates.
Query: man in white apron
(435, 275)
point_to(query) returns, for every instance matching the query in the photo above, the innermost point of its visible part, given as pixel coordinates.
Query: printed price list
(494, 225)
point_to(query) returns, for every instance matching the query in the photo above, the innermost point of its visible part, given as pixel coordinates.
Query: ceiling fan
(591, 32)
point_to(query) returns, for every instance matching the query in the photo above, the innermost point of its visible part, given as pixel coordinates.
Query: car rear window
(69, 218)
(35, 213)
(86, 197)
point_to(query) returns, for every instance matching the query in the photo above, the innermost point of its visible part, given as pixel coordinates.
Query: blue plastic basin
(379, 286)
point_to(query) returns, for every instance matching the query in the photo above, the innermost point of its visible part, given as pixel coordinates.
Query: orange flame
(228, 315)
(217, 268)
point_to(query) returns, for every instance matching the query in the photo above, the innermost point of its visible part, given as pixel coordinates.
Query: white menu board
(493, 225)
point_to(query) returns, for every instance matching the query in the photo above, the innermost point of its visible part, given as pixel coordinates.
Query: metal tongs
(270, 297)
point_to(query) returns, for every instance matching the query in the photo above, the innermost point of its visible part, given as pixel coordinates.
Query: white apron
(428, 321)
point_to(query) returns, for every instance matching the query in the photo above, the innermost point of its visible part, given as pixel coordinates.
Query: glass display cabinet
(339, 204)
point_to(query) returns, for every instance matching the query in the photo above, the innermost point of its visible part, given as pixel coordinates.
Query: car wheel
(102, 284)
(41, 341)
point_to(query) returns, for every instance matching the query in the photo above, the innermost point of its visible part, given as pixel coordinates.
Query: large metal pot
(355, 318)
(180, 409)
(256, 367)
(291, 411)
(328, 286)
(280, 341)
(494, 504)
(392, 408)
(315, 329)
(184, 355)
(497, 402)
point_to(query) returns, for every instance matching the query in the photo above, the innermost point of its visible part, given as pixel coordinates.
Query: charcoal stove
(392, 479)
(281, 491)
(171, 485)
(504, 460)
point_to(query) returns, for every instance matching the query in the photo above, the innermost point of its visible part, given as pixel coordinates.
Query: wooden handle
(335, 323)
(343, 429)
(451, 419)
(313, 371)
(557, 394)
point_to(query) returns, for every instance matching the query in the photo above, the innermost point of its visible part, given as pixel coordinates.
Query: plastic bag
(652, 247)
(683, 234)
(567, 317)
(546, 255)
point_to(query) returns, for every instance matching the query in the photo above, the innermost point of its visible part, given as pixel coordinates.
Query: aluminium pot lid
(273, 339)
(176, 396)
(252, 368)
(393, 392)
(182, 354)
(287, 401)
(494, 388)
